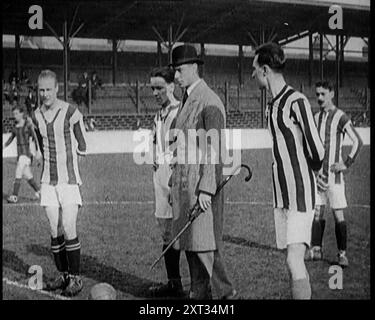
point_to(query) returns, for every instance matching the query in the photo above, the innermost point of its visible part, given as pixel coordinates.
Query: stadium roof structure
(238, 22)
(199, 21)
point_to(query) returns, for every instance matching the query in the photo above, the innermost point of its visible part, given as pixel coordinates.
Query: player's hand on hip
(204, 200)
(338, 167)
(155, 166)
(170, 199)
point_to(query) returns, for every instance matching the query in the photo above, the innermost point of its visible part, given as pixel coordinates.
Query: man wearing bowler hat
(200, 116)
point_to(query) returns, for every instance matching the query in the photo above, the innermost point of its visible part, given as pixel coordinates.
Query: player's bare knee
(53, 219)
(54, 229)
(70, 231)
(318, 212)
(291, 259)
(69, 220)
(295, 254)
(338, 215)
(69, 226)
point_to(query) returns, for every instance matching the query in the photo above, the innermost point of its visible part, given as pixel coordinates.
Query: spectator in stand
(96, 83)
(83, 85)
(31, 101)
(24, 78)
(80, 94)
(12, 94)
(84, 80)
(13, 76)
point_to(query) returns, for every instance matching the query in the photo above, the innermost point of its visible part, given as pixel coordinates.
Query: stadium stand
(130, 101)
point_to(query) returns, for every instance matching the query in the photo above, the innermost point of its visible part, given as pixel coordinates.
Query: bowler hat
(184, 54)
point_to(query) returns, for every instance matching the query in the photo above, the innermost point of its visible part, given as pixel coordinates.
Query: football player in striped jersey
(23, 131)
(297, 152)
(63, 134)
(333, 124)
(162, 85)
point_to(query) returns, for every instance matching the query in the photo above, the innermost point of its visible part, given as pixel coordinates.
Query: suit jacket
(204, 113)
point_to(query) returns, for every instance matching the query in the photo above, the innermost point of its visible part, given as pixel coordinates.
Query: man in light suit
(201, 113)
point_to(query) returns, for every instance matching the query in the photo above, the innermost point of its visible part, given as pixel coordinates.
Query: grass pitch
(120, 239)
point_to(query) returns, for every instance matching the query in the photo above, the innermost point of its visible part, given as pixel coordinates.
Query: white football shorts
(334, 195)
(162, 191)
(23, 167)
(292, 227)
(60, 195)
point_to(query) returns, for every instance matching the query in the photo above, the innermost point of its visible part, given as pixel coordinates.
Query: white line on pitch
(23, 286)
(365, 206)
(149, 202)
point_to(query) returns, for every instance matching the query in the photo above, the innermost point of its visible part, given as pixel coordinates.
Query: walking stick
(197, 210)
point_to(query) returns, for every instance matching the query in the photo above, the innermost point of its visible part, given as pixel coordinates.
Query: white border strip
(128, 141)
(108, 202)
(23, 286)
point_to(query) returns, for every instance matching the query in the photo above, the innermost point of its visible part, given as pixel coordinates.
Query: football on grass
(102, 291)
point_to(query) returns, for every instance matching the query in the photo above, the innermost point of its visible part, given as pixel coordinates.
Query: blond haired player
(63, 134)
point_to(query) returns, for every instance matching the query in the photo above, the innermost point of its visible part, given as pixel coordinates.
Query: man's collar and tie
(184, 98)
(189, 89)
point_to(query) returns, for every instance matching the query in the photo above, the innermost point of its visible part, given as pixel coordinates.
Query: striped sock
(59, 253)
(73, 252)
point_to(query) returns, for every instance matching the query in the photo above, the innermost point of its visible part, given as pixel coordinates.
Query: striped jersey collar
(278, 95)
(59, 105)
(164, 112)
(323, 110)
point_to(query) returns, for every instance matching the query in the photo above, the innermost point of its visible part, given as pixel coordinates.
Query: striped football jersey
(297, 150)
(23, 135)
(63, 136)
(332, 127)
(162, 133)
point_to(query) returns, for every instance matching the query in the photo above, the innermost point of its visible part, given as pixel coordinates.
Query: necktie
(184, 98)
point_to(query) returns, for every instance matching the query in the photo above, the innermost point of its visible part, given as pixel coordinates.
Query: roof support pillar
(240, 64)
(321, 74)
(171, 40)
(311, 58)
(65, 58)
(342, 47)
(18, 56)
(337, 71)
(114, 60)
(263, 92)
(160, 55)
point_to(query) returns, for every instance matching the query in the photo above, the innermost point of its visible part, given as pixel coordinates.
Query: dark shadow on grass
(92, 268)
(247, 243)
(12, 261)
(327, 261)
